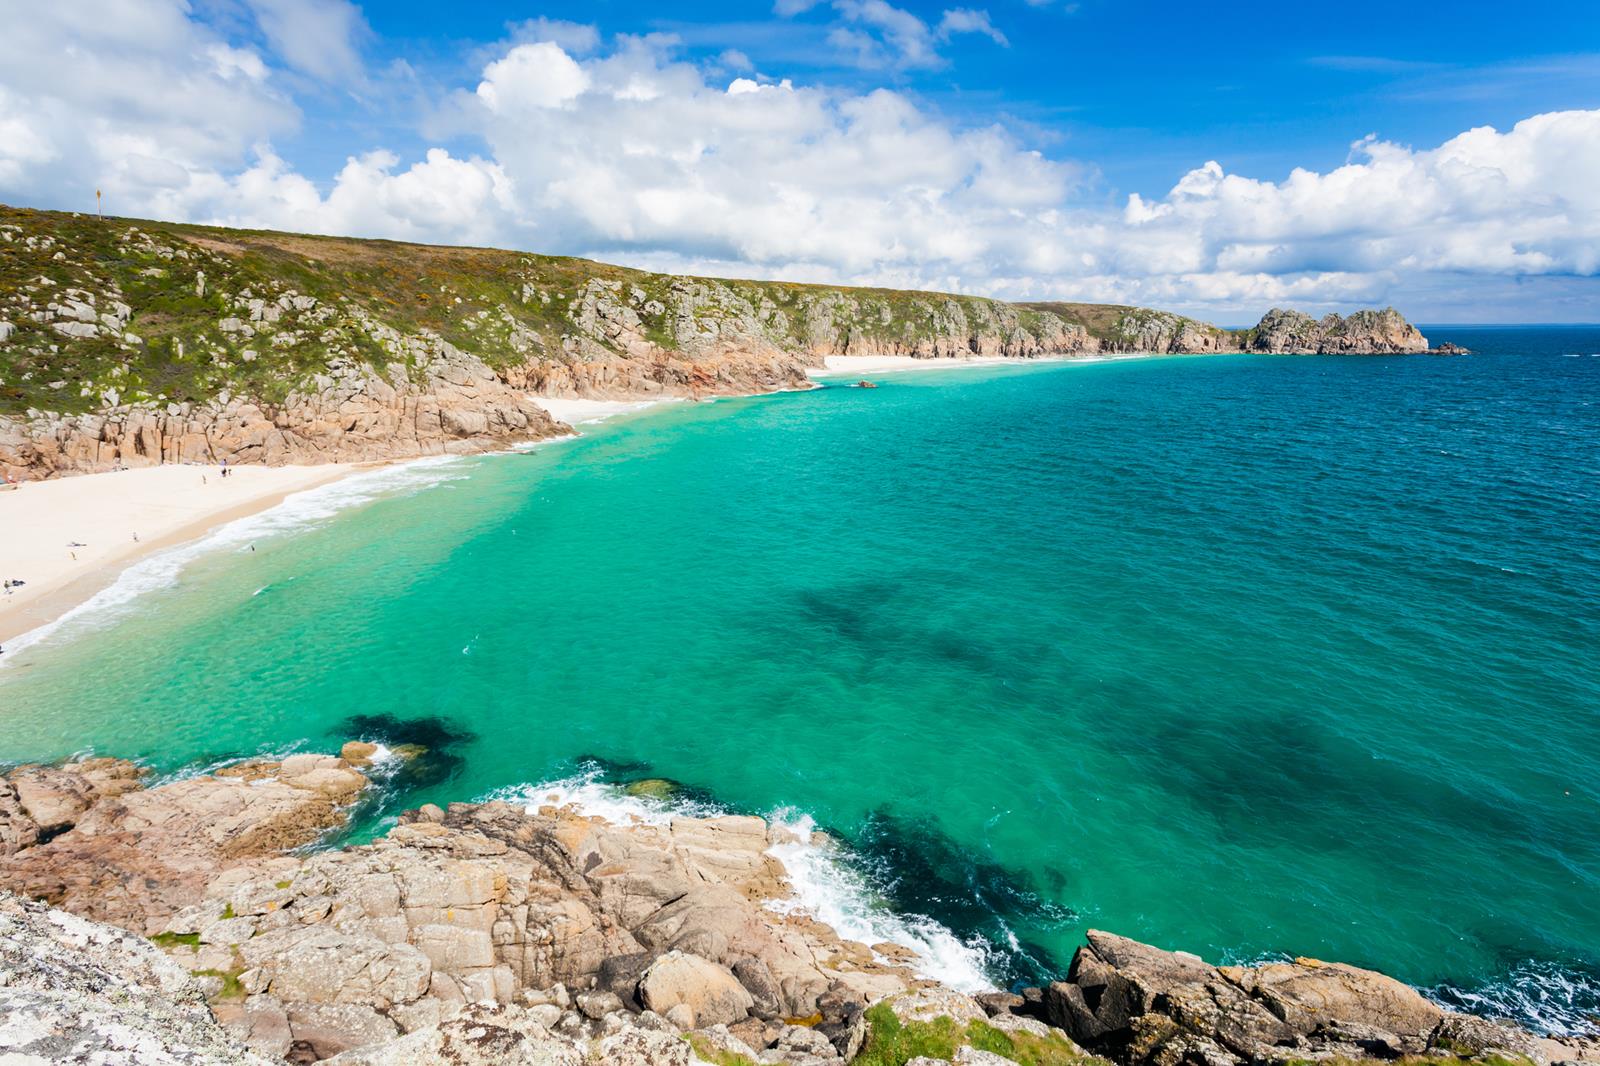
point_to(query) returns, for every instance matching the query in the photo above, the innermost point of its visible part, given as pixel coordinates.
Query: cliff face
(135, 343)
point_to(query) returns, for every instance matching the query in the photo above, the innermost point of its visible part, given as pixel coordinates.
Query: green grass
(893, 1042)
(231, 988)
(475, 298)
(172, 940)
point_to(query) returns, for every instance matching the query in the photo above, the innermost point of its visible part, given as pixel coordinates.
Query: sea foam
(1544, 996)
(827, 886)
(296, 512)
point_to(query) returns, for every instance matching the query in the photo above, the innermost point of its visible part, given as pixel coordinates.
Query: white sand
(877, 364)
(835, 365)
(102, 513)
(575, 412)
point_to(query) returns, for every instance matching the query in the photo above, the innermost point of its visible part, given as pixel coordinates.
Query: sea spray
(825, 885)
(830, 889)
(1546, 996)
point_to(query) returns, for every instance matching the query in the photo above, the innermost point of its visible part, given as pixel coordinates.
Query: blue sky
(1133, 151)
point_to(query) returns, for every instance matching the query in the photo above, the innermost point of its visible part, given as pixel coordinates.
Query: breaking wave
(827, 886)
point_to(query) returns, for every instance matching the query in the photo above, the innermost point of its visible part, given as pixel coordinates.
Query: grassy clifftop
(100, 312)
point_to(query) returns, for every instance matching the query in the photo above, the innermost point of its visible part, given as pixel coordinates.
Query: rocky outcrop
(455, 404)
(85, 837)
(1143, 1006)
(73, 990)
(1163, 333)
(490, 932)
(126, 345)
(580, 924)
(1362, 333)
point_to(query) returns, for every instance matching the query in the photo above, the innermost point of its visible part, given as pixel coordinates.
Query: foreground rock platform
(491, 933)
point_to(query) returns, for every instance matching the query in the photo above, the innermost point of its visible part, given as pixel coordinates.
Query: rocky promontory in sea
(189, 922)
(126, 342)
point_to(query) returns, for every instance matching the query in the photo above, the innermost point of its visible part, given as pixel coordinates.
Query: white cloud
(631, 155)
(319, 37)
(1520, 202)
(532, 76)
(966, 20)
(127, 96)
(463, 201)
(578, 38)
(874, 34)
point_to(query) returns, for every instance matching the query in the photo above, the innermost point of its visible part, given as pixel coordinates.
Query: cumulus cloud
(318, 37)
(129, 96)
(629, 153)
(532, 76)
(1519, 202)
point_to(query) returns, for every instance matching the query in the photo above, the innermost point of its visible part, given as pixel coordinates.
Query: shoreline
(850, 365)
(168, 505)
(69, 538)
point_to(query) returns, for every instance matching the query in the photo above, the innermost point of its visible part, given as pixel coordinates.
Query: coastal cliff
(130, 342)
(498, 932)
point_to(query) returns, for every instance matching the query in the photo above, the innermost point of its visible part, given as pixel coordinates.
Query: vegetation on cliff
(100, 313)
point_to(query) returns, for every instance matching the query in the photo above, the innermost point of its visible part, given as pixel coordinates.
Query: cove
(1239, 654)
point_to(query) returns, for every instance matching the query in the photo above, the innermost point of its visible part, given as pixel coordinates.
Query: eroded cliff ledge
(129, 342)
(492, 933)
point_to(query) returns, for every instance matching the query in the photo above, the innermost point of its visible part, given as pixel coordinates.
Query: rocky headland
(126, 343)
(189, 922)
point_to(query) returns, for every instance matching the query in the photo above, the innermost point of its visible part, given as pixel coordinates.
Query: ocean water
(1242, 655)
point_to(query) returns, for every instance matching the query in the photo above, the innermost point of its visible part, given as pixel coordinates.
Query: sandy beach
(576, 412)
(877, 364)
(68, 538)
(883, 364)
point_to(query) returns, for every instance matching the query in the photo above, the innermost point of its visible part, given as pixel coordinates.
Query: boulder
(637, 1046)
(994, 1003)
(936, 1001)
(326, 1029)
(711, 991)
(1115, 982)
(767, 1000)
(1308, 994)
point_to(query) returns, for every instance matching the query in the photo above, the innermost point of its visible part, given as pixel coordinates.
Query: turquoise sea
(1242, 655)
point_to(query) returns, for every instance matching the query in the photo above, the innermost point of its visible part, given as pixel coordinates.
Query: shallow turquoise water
(1240, 655)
